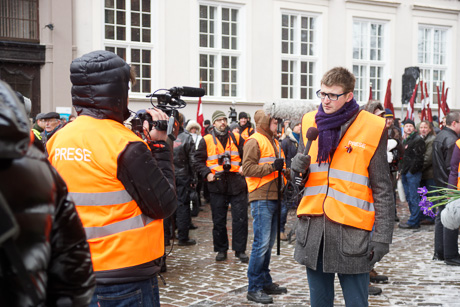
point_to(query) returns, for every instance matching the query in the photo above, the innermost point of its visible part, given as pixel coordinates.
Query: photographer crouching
(123, 187)
(218, 160)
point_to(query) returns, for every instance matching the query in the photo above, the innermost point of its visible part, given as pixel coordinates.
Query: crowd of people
(104, 185)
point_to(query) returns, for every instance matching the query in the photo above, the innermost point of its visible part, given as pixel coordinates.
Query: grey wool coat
(345, 248)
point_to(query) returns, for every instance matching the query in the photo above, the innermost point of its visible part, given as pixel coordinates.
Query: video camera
(169, 101)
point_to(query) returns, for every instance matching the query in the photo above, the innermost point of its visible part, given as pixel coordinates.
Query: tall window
(220, 50)
(432, 57)
(299, 56)
(128, 33)
(19, 20)
(368, 59)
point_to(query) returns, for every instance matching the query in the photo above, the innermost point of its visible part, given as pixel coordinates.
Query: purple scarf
(329, 128)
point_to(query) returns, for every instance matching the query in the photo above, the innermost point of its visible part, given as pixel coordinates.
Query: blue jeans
(355, 287)
(143, 293)
(265, 221)
(411, 183)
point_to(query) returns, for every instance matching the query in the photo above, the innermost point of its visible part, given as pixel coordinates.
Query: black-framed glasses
(331, 96)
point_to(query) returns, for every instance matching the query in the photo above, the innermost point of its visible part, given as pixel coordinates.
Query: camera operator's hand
(210, 177)
(278, 164)
(156, 135)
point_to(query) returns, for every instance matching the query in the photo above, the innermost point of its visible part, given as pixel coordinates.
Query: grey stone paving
(194, 278)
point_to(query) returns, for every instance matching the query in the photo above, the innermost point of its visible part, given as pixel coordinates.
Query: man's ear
(349, 96)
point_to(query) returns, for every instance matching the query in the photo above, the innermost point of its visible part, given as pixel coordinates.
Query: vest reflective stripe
(119, 235)
(352, 201)
(112, 229)
(341, 190)
(101, 199)
(214, 151)
(267, 155)
(37, 134)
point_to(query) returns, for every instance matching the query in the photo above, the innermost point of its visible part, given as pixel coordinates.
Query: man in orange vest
(244, 126)
(346, 214)
(262, 160)
(218, 160)
(123, 187)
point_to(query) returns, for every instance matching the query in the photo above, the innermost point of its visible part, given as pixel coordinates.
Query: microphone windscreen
(192, 91)
(312, 133)
(289, 109)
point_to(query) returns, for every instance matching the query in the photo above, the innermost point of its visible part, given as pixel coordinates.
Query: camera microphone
(187, 91)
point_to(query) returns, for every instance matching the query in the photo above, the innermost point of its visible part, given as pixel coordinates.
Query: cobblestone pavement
(194, 278)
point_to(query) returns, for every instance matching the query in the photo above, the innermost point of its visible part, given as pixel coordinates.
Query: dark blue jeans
(265, 222)
(355, 287)
(411, 183)
(142, 293)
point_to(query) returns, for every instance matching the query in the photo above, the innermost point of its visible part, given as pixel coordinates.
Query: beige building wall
(79, 28)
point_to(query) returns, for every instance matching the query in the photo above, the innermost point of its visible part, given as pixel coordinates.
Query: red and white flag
(422, 99)
(387, 103)
(370, 91)
(410, 106)
(429, 114)
(199, 114)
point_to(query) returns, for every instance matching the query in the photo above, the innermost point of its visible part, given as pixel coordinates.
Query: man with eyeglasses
(218, 160)
(346, 214)
(52, 121)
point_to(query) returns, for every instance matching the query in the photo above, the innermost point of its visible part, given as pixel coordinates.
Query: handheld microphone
(312, 135)
(187, 91)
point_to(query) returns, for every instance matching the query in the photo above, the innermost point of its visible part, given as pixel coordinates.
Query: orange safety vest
(246, 132)
(341, 190)
(215, 150)
(267, 155)
(458, 175)
(85, 154)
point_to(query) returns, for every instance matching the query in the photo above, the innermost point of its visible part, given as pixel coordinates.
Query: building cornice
(393, 4)
(437, 9)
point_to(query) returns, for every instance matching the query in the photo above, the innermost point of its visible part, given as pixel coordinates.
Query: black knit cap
(242, 115)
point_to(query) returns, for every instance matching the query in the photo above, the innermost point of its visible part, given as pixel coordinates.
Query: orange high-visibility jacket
(245, 133)
(85, 155)
(267, 155)
(215, 150)
(341, 190)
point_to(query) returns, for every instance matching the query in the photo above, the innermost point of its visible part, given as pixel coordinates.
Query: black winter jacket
(51, 241)
(100, 90)
(230, 183)
(443, 146)
(289, 146)
(184, 155)
(414, 149)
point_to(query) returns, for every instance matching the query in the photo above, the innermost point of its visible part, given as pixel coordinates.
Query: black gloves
(376, 251)
(278, 164)
(300, 163)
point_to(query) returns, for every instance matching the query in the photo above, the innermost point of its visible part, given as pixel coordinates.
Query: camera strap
(240, 149)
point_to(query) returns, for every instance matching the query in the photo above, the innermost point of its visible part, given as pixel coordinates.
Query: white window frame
(363, 82)
(295, 59)
(129, 45)
(427, 69)
(218, 52)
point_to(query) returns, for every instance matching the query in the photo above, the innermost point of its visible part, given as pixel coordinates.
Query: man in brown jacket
(262, 159)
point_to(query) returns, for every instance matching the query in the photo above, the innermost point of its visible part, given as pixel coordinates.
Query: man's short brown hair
(339, 76)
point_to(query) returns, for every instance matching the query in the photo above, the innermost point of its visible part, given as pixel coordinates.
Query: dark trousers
(219, 208)
(445, 240)
(183, 214)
